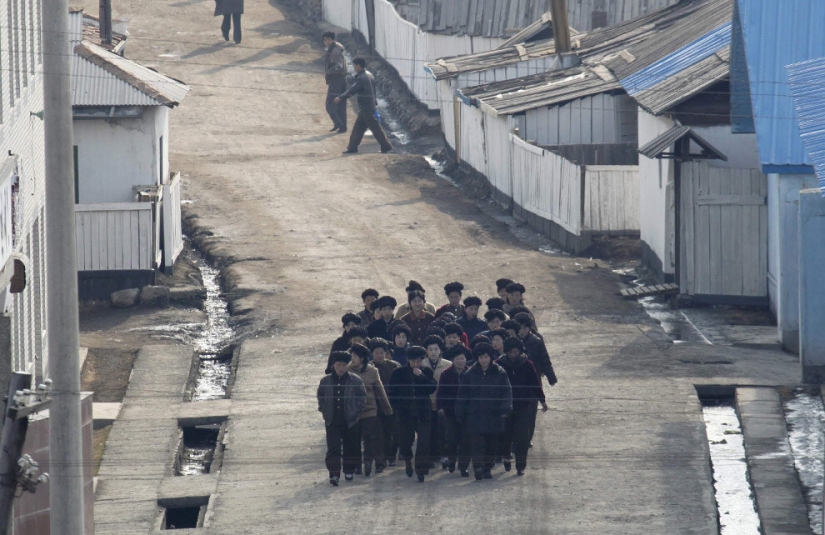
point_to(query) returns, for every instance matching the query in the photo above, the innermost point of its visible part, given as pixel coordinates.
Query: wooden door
(724, 232)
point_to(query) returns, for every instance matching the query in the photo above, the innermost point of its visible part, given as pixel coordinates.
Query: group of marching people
(457, 387)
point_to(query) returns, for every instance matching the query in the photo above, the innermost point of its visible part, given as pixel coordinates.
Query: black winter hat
(448, 316)
(458, 349)
(513, 343)
(369, 292)
(453, 328)
(523, 319)
(358, 331)
(416, 352)
(401, 328)
(376, 342)
(500, 332)
(434, 330)
(518, 309)
(479, 339)
(433, 339)
(412, 294)
(515, 287)
(495, 303)
(484, 349)
(502, 284)
(340, 356)
(361, 351)
(384, 301)
(413, 285)
(510, 324)
(492, 314)
(472, 301)
(453, 287)
(349, 317)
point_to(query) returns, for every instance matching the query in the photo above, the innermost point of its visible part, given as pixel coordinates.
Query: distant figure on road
(335, 74)
(341, 399)
(364, 89)
(231, 11)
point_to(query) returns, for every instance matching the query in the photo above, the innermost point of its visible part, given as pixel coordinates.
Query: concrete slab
(104, 414)
(204, 412)
(779, 498)
(186, 491)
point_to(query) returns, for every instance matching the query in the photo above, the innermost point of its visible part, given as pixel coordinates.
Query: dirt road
(302, 231)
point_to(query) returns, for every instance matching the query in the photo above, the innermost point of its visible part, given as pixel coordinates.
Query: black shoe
(358, 470)
(333, 480)
(409, 468)
(368, 469)
(226, 36)
(507, 465)
(238, 42)
(421, 478)
(350, 152)
(348, 477)
(519, 472)
(391, 463)
(479, 474)
(379, 468)
(487, 474)
(342, 130)
(334, 128)
(465, 473)
(385, 151)
(451, 467)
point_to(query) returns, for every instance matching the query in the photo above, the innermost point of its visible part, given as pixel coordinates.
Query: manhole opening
(735, 500)
(200, 450)
(184, 517)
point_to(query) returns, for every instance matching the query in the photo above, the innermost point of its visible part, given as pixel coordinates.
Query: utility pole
(65, 441)
(14, 435)
(561, 26)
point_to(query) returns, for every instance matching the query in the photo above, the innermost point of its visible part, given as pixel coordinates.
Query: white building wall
(741, 149)
(115, 155)
(656, 194)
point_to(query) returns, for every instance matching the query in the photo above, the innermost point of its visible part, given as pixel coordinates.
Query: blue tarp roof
(808, 90)
(777, 34)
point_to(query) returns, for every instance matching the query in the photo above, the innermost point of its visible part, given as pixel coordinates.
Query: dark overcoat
(227, 7)
(484, 399)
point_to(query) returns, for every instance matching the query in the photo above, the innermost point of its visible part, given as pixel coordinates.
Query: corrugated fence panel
(497, 137)
(472, 138)
(611, 199)
(446, 103)
(126, 226)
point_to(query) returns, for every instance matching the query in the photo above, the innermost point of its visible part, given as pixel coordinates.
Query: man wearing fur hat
(418, 318)
(341, 399)
(453, 291)
(404, 308)
(368, 296)
(469, 321)
(409, 390)
(380, 328)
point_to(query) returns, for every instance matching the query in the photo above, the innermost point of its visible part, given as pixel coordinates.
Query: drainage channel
(734, 495)
(805, 418)
(199, 450)
(214, 365)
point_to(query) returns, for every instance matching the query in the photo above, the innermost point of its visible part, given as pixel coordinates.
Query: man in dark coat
(469, 321)
(483, 403)
(231, 10)
(364, 89)
(368, 296)
(341, 399)
(335, 75)
(380, 328)
(382, 360)
(409, 391)
(527, 392)
(418, 319)
(534, 347)
(453, 291)
(458, 442)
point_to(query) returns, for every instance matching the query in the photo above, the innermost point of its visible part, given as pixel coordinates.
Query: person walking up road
(335, 74)
(368, 422)
(341, 399)
(364, 90)
(231, 10)
(458, 442)
(483, 403)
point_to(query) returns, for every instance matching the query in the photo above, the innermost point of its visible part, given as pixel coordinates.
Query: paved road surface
(622, 449)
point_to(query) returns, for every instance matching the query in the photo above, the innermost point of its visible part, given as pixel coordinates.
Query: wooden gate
(723, 232)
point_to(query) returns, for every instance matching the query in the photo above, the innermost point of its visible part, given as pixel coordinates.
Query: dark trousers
(458, 443)
(389, 436)
(438, 435)
(235, 20)
(516, 436)
(408, 430)
(337, 112)
(370, 432)
(535, 409)
(366, 119)
(483, 450)
(342, 437)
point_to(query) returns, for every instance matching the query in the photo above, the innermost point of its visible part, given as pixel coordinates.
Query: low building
(128, 201)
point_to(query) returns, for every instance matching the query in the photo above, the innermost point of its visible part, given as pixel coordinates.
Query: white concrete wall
(114, 155)
(783, 249)
(656, 194)
(741, 149)
(812, 285)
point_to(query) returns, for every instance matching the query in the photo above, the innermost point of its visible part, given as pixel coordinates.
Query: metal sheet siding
(93, 86)
(808, 94)
(777, 34)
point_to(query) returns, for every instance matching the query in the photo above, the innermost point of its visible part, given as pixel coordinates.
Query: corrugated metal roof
(102, 78)
(514, 96)
(484, 18)
(777, 34)
(659, 146)
(543, 28)
(453, 66)
(808, 90)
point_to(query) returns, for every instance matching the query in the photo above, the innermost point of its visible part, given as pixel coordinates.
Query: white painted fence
(611, 199)
(116, 236)
(172, 231)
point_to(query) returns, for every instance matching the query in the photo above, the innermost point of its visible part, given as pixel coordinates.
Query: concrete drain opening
(735, 500)
(184, 514)
(200, 451)
(212, 378)
(805, 418)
